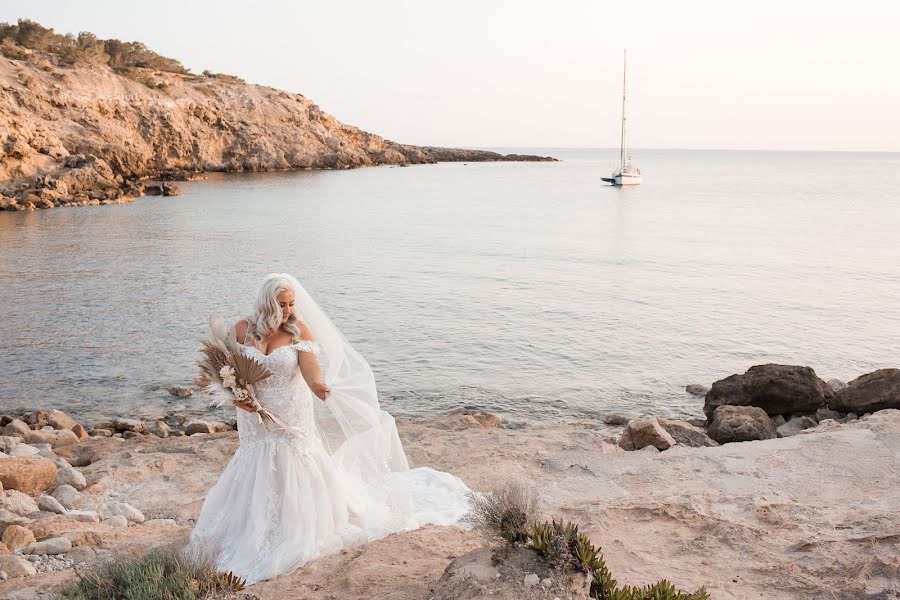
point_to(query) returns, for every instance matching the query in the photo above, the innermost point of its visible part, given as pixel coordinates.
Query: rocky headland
(739, 504)
(86, 121)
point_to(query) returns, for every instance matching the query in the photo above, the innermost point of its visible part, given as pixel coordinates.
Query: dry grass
(506, 511)
(172, 573)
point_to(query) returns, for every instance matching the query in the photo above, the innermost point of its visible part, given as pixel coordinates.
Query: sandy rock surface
(810, 516)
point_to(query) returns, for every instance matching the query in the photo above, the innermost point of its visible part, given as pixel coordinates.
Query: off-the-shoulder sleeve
(306, 346)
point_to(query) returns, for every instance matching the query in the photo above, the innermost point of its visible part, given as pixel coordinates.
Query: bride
(331, 473)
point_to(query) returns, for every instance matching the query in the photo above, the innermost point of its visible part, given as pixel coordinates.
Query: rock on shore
(804, 517)
(85, 134)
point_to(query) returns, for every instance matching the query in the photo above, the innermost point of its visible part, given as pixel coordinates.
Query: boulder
(219, 426)
(18, 503)
(80, 431)
(160, 429)
(8, 442)
(16, 428)
(68, 496)
(15, 566)
(686, 434)
(465, 418)
(617, 419)
(111, 509)
(55, 438)
(59, 461)
(180, 391)
(795, 426)
(869, 393)
(117, 521)
(197, 426)
(695, 389)
(643, 432)
(50, 504)
(84, 516)
(777, 389)
(8, 518)
(60, 420)
(135, 425)
(57, 545)
(70, 476)
(31, 475)
(740, 424)
(16, 536)
(827, 413)
(36, 418)
(24, 450)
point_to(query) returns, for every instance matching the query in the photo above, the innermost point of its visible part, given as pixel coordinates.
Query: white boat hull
(627, 180)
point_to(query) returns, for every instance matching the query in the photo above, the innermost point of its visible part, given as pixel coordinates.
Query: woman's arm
(309, 366)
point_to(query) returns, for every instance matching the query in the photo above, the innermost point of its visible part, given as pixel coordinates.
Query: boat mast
(622, 145)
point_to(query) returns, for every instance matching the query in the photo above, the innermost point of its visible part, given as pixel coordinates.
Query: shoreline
(88, 135)
(741, 519)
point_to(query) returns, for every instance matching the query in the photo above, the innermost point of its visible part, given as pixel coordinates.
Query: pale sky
(781, 75)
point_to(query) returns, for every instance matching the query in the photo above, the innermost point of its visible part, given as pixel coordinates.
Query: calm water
(531, 290)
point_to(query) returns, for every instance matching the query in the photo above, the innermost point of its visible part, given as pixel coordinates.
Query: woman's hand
(246, 406)
(320, 390)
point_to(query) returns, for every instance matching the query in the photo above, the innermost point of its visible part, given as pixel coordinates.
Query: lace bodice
(285, 394)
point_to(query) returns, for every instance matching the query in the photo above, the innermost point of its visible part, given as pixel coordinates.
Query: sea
(531, 290)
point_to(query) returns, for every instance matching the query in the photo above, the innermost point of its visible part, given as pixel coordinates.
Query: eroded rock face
(741, 424)
(643, 432)
(870, 392)
(31, 475)
(777, 389)
(89, 141)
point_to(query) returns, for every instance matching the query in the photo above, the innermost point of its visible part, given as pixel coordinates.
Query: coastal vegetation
(28, 39)
(508, 513)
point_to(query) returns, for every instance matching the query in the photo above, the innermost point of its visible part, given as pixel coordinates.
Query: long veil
(360, 436)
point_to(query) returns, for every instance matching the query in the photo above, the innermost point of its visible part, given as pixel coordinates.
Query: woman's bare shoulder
(305, 332)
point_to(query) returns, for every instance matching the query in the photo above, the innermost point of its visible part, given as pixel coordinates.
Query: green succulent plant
(563, 545)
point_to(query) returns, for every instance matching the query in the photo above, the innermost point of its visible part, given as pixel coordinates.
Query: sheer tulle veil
(359, 435)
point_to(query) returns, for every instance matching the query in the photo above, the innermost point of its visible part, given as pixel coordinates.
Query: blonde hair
(266, 317)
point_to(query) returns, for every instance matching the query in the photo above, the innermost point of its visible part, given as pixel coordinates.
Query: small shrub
(505, 512)
(86, 48)
(167, 573)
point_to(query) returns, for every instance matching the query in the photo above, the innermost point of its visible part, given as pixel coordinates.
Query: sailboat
(625, 174)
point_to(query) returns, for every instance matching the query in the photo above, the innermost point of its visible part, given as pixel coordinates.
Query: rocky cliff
(76, 129)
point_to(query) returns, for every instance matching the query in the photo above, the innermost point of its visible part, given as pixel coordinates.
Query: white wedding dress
(285, 498)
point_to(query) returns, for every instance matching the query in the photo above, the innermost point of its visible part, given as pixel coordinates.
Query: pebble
(68, 496)
(117, 521)
(70, 476)
(57, 545)
(85, 516)
(531, 580)
(110, 509)
(50, 504)
(23, 450)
